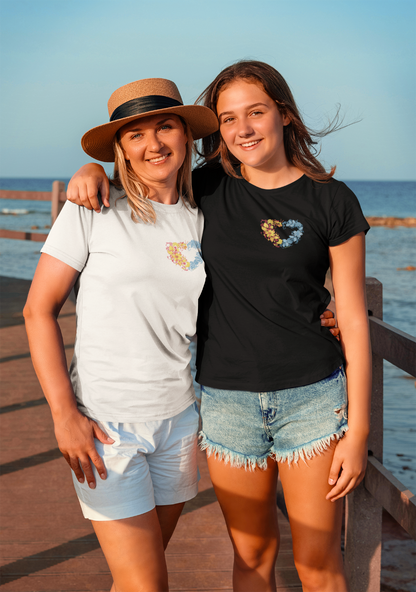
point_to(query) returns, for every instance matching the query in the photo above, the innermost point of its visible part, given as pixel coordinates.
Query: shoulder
(206, 179)
(331, 192)
(116, 192)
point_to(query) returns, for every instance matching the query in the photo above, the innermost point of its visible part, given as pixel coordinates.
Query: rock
(391, 221)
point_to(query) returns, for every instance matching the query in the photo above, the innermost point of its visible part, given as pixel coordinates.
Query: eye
(256, 113)
(164, 127)
(136, 136)
(227, 120)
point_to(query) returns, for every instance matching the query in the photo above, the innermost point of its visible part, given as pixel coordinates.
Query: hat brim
(98, 141)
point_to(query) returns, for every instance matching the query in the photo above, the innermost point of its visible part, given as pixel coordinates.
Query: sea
(389, 252)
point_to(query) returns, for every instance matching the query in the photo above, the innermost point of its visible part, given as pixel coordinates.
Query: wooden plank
(31, 195)
(393, 345)
(34, 195)
(392, 495)
(19, 235)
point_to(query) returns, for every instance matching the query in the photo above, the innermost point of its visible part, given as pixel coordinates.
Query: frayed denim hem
(235, 459)
(309, 451)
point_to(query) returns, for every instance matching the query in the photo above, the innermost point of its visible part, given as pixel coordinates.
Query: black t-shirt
(266, 256)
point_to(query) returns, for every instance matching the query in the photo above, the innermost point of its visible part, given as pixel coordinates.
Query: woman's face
(155, 147)
(252, 126)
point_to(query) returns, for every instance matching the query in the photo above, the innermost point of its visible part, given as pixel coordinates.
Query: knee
(250, 556)
(321, 575)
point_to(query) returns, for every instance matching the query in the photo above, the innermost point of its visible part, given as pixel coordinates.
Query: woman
(274, 221)
(126, 409)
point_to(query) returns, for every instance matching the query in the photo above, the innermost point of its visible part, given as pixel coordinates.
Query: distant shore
(391, 221)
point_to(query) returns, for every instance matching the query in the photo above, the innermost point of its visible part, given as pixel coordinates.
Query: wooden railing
(380, 489)
(57, 197)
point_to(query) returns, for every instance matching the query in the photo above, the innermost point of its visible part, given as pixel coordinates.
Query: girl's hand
(348, 465)
(75, 435)
(328, 320)
(85, 185)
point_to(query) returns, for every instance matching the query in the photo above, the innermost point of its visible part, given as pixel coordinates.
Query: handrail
(399, 501)
(57, 197)
(395, 346)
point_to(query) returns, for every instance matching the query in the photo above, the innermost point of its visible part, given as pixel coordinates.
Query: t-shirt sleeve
(69, 237)
(346, 216)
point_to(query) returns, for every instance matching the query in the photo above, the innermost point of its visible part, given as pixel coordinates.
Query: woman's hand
(75, 435)
(85, 185)
(328, 320)
(348, 465)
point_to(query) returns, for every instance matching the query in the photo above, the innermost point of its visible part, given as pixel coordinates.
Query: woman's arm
(85, 185)
(74, 432)
(348, 277)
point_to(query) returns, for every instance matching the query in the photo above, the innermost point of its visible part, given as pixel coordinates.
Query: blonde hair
(137, 192)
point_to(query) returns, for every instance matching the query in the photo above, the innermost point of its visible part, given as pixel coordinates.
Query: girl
(274, 383)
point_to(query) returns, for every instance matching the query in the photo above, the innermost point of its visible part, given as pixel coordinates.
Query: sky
(60, 60)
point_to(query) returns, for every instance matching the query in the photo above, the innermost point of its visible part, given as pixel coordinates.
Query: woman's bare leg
(315, 524)
(248, 502)
(134, 551)
(168, 517)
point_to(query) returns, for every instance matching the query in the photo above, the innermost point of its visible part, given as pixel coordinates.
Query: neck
(271, 178)
(164, 194)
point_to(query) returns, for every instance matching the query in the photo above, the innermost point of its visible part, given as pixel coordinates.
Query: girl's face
(252, 126)
(155, 147)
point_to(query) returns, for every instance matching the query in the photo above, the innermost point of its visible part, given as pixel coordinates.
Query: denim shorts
(244, 428)
(150, 464)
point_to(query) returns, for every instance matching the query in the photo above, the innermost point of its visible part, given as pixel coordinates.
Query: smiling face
(155, 146)
(252, 126)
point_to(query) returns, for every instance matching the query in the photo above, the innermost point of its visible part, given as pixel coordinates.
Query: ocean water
(389, 250)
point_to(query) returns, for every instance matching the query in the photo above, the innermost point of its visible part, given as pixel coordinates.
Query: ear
(286, 120)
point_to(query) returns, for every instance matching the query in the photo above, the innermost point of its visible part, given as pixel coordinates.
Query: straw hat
(140, 99)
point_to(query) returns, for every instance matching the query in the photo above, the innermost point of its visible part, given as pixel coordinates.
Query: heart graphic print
(269, 232)
(175, 254)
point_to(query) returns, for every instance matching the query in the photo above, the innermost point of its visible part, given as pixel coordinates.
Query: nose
(244, 128)
(155, 144)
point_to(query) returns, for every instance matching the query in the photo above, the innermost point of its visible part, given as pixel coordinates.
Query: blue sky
(61, 59)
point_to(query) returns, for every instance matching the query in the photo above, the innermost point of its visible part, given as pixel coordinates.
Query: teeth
(250, 143)
(158, 159)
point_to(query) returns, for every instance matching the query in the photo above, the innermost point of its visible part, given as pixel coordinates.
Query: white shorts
(150, 464)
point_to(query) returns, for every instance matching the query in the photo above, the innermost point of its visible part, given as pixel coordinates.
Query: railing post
(58, 187)
(363, 512)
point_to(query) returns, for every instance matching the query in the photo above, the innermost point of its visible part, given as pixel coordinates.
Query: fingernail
(331, 481)
(81, 479)
(102, 475)
(91, 485)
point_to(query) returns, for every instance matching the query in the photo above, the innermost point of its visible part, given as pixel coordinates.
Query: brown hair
(298, 139)
(137, 192)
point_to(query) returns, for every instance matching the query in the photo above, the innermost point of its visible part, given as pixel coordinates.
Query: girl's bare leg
(315, 524)
(248, 502)
(167, 518)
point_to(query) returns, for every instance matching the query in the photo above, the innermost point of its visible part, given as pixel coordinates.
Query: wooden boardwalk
(46, 545)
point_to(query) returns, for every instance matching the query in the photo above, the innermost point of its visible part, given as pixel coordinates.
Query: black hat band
(143, 105)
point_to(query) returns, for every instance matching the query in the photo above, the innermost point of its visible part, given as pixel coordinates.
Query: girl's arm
(74, 432)
(348, 276)
(85, 185)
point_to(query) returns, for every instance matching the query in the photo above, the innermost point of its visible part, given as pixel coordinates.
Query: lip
(163, 159)
(252, 147)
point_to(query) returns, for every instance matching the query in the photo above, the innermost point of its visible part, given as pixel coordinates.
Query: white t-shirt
(137, 305)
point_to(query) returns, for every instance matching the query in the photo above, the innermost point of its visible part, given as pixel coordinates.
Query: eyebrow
(161, 122)
(248, 108)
